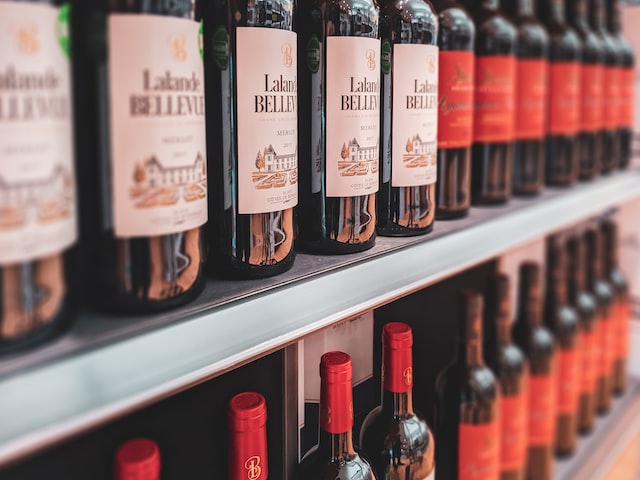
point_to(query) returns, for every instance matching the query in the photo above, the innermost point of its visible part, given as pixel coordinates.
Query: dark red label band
(455, 99)
(479, 451)
(611, 87)
(564, 98)
(592, 98)
(531, 98)
(542, 409)
(494, 115)
(513, 418)
(568, 380)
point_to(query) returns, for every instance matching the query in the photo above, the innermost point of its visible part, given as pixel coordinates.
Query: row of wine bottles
(515, 395)
(193, 114)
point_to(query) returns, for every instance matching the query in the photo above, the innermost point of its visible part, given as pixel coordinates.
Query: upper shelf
(107, 366)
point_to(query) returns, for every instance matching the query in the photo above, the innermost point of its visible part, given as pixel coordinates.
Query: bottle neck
(613, 16)
(487, 4)
(577, 13)
(470, 353)
(529, 305)
(400, 404)
(596, 14)
(524, 8)
(337, 446)
(557, 284)
(556, 11)
(503, 331)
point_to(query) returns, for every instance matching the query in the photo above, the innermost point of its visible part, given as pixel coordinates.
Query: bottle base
(394, 230)
(233, 269)
(51, 330)
(331, 247)
(488, 201)
(451, 214)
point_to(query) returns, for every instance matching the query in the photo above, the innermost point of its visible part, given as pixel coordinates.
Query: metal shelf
(107, 366)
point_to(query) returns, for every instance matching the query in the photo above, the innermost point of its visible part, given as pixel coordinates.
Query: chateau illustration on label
(419, 153)
(159, 186)
(41, 201)
(357, 160)
(275, 170)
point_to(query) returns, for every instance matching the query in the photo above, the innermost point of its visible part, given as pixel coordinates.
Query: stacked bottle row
(189, 118)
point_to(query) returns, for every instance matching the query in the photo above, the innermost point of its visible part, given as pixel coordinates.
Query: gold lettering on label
(371, 59)
(28, 39)
(253, 468)
(408, 376)
(287, 57)
(178, 47)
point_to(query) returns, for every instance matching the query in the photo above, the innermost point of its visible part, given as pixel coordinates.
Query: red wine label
(248, 456)
(591, 98)
(37, 184)
(415, 115)
(589, 360)
(513, 418)
(267, 113)
(352, 116)
(156, 91)
(479, 451)
(623, 319)
(606, 339)
(627, 87)
(397, 370)
(494, 116)
(612, 82)
(455, 102)
(531, 97)
(568, 380)
(336, 407)
(564, 97)
(542, 409)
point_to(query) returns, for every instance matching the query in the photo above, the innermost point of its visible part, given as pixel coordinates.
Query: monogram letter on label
(252, 465)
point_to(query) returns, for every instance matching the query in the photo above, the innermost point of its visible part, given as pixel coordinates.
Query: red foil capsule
(336, 396)
(138, 459)
(397, 366)
(248, 437)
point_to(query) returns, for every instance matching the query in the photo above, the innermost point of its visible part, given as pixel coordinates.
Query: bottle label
(494, 115)
(564, 98)
(542, 409)
(627, 87)
(591, 98)
(455, 102)
(37, 184)
(267, 119)
(315, 66)
(624, 324)
(606, 340)
(611, 93)
(589, 361)
(415, 115)
(568, 380)
(514, 432)
(353, 116)
(479, 451)
(531, 98)
(248, 455)
(158, 154)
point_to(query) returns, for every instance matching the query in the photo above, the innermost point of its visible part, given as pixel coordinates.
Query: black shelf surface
(106, 366)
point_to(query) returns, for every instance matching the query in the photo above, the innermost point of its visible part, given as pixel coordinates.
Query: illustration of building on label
(419, 153)
(156, 185)
(275, 170)
(357, 160)
(40, 201)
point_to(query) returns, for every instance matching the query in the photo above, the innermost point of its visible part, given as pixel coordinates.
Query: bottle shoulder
(507, 360)
(564, 44)
(413, 21)
(456, 30)
(315, 465)
(626, 51)
(533, 40)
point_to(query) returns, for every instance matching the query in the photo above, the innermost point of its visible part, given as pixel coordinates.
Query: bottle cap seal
(335, 367)
(138, 459)
(397, 362)
(247, 412)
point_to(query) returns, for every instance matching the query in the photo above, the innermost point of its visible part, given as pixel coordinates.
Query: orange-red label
(564, 97)
(455, 99)
(623, 316)
(627, 87)
(607, 328)
(531, 91)
(568, 380)
(494, 116)
(479, 451)
(513, 419)
(542, 409)
(589, 360)
(591, 97)
(611, 87)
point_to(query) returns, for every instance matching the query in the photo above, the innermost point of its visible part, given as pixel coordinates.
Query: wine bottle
(605, 323)
(611, 87)
(339, 112)
(37, 177)
(590, 137)
(627, 82)
(585, 304)
(138, 459)
(565, 54)
(531, 97)
(562, 320)
(248, 437)
(510, 367)
(406, 201)
(621, 306)
(494, 112)
(335, 458)
(252, 139)
(456, 37)
(396, 438)
(468, 395)
(538, 345)
(142, 124)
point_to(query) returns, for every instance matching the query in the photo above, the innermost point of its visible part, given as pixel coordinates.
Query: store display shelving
(105, 366)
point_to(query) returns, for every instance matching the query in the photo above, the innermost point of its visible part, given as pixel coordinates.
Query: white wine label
(267, 100)
(158, 154)
(415, 115)
(353, 116)
(37, 183)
